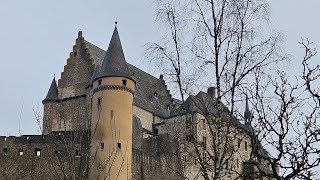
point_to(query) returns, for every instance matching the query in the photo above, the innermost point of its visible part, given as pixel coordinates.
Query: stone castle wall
(55, 156)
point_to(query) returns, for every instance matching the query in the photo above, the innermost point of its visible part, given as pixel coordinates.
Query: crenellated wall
(53, 156)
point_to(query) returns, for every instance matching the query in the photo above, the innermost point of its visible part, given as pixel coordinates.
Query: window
(99, 82)
(185, 158)
(245, 146)
(102, 146)
(237, 163)
(99, 102)
(111, 114)
(5, 150)
(20, 152)
(119, 145)
(78, 153)
(37, 152)
(239, 143)
(124, 82)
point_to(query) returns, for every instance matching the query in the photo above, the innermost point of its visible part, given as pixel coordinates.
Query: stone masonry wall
(50, 157)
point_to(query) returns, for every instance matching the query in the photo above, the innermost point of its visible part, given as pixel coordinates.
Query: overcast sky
(36, 37)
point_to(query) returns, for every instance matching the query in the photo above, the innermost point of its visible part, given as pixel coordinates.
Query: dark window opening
(156, 131)
(239, 143)
(111, 114)
(119, 145)
(237, 163)
(78, 153)
(124, 82)
(37, 152)
(102, 146)
(99, 102)
(5, 150)
(245, 146)
(99, 82)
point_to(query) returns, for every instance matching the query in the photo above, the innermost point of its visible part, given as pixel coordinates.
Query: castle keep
(107, 119)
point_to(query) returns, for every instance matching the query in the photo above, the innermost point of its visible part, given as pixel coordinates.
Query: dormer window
(124, 82)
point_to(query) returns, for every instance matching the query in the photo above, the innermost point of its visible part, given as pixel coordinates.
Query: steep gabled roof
(114, 63)
(53, 92)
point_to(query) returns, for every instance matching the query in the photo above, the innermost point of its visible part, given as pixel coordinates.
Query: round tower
(50, 109)
(111, 121)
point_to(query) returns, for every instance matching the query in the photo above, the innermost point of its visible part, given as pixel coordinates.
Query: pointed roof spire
(247, 113)
(114, 63)
(53, 92)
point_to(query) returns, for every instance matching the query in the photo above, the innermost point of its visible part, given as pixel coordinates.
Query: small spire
(52, 94)
(247, 113)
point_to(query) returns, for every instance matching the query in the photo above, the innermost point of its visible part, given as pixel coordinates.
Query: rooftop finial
(116, 22)
(247, 113)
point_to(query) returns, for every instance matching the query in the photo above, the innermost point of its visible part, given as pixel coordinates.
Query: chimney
(211, 92)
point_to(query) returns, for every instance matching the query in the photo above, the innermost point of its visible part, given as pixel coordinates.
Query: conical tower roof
(53, 92)
(114, 63)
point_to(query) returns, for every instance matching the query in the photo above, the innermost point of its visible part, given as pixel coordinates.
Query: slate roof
(52, 94)
(114, 63)
(150, 94)
(204, 103)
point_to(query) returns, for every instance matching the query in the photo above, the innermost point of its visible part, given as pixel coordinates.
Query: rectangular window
(37, 152)
(245, 146)
(111, 114)
(99, 82)
(5, 150)
(20, 153)
(237, 163)
(119, 145)
(124, 82)
(102, 146)
(239, 143)
(99, 102)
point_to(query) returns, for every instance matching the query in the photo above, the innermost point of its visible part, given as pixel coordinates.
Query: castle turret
(50, 106)
(111, 121)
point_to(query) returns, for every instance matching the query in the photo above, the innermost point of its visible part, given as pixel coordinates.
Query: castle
(107, 119)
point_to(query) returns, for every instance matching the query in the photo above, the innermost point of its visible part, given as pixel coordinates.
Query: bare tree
(286, 121)
(222, 39)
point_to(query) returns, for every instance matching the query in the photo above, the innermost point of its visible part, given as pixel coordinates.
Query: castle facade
(107, 119)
